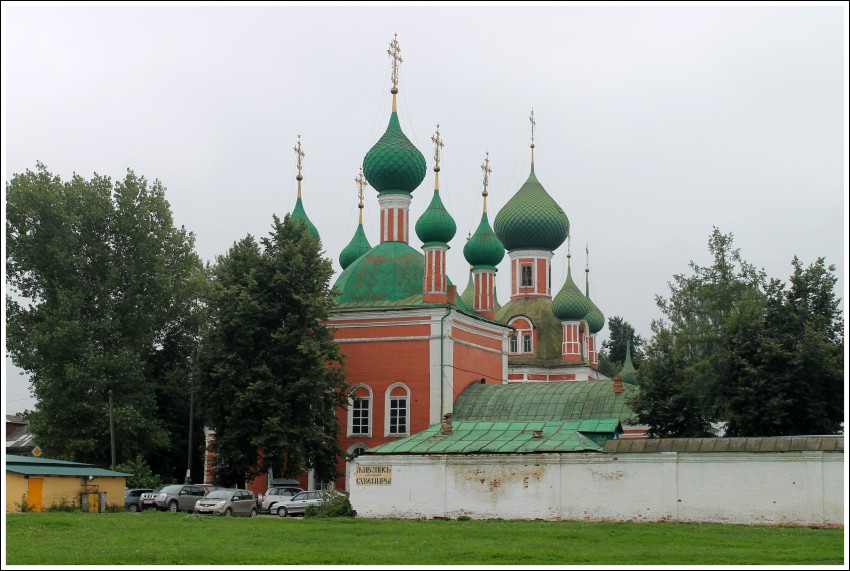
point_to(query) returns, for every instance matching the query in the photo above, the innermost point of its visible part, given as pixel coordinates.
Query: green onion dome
(595, 319)
(391, 271)
(393, 165)
(628, 372)
(358, 246)
(298, 213)
(484, 250)
(436, 226)
(532, 219)
(496, 305)
(570, 304)
(468, 295)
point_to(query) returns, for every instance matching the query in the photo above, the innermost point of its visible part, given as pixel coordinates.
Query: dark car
(133, 498)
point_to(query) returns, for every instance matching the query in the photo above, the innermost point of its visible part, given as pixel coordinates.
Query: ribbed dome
(532, 219)
(595, 319)
(484, 249)
(391, 271)
(570, 304)
(393, 165)
(358, 246)
(298, 213)
(436, 225)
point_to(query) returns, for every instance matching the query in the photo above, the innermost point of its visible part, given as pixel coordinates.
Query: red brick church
(413, 345)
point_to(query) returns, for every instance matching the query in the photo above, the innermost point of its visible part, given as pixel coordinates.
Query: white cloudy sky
(654, 123)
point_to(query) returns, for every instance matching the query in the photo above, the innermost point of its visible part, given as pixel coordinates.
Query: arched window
(357, 449)
(397, 415)
(521, 342)
(360, 411)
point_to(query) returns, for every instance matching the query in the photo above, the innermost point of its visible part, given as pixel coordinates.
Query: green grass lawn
(154, 538)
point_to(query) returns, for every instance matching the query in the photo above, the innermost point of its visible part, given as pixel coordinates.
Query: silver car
(179, 497)
(227, 503)
(276, 495)
(298, 504)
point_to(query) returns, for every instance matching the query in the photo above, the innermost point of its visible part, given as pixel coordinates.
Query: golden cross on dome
(300, 154)
(586, 258)
(533, 123)
(438, 144)
(361, 182)
(395, 54)
(487, 170)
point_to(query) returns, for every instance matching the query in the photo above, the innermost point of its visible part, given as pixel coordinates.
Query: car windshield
(219, 495)
(158, 490)
(171, 489)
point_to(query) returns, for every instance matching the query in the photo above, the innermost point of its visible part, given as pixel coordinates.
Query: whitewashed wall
(791, 487)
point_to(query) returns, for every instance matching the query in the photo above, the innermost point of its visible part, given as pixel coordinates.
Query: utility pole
(111, 431)
(191, 421)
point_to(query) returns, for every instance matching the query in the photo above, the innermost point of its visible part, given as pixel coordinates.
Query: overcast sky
(654, 123)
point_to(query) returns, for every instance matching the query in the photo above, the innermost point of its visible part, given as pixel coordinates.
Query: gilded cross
(438, 144)
(533, 123)
(395, 54)
(361, 182)
(487, 170)
(299, 153)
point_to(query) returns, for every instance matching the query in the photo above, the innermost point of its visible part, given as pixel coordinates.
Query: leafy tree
(142, 477)
(102, 298)
(692, 345)
(763, 358)
(613, 353)
(786, 359)
(668, 401)
(271, 373)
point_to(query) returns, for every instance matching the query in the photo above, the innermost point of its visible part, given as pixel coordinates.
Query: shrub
(24, 505)
(65, 505)
(142, 477)
(336, 505)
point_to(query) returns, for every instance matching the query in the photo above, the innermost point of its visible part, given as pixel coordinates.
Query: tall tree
(102, 296)
(271, 373)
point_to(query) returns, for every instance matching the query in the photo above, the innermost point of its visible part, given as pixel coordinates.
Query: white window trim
(520, 334)
(368, 433)
(387, 399)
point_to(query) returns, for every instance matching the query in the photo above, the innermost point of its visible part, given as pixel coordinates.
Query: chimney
(446, 427)
(451, 295)
(618, 384)
(538, 434)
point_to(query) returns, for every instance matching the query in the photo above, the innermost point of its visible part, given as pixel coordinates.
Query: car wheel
(132, 508)
(282, 511)
(228, 512)
(172, 507)
(253, 512)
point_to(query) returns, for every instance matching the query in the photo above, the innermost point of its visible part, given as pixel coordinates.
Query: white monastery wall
(761, 488)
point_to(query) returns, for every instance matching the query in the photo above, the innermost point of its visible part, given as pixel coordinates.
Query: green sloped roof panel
(561, 401)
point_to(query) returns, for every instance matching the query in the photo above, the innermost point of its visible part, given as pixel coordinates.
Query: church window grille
(514, 344)
(398, 415)
(526, 276)
(526, 343)
(360, 416)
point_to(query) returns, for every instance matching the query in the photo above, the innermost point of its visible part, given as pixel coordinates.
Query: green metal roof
(389, 272)
(532, 219)
(436, 225)
(569, 303)
(477, 437)
(358, 246)
(468, 295)
(298, 213)
(539, 311)
(394, 165)
(483, 249)
(562, 401)
(750, 444)
(27, 466)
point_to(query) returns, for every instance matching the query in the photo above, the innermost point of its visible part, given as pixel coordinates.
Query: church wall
(804, 488)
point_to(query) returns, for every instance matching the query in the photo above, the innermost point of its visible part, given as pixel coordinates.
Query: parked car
(298, 504)
(276, 495)
(227, 502)
(148, 499)
(133, 498)
(180, 497)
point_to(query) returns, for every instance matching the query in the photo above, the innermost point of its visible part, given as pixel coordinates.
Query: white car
(276, 495)
(298, 504)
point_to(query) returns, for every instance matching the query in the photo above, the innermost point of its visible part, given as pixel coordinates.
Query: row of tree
(106, 294)
(738, 351)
